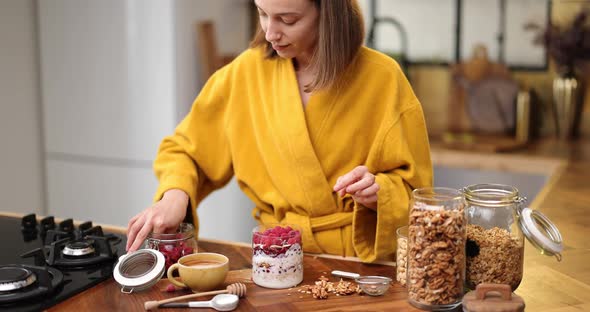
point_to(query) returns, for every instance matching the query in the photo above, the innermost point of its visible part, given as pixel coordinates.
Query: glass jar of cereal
(497, 223)
(436, 248)
(401, 255)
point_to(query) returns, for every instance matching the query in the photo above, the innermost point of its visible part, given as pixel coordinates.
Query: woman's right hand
(161, 217)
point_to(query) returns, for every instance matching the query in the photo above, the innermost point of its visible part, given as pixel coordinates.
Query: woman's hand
(361, 185)
(161, 217)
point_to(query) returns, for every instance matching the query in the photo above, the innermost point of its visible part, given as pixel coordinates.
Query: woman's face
(291, 26)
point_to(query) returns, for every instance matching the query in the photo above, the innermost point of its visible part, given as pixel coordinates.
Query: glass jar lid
(492, 195)
(139, 270)
(541, 232)
(535, 226)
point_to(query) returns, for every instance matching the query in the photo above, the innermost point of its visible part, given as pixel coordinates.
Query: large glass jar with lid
(436, 248)
(497, 222)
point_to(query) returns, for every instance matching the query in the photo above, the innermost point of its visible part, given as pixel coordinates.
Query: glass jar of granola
(497, 224)
(436, 248)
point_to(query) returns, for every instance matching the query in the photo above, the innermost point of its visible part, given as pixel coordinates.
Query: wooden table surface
(108, 297)
(547, 286)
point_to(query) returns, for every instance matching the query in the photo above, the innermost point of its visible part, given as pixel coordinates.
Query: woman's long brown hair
(340, 35)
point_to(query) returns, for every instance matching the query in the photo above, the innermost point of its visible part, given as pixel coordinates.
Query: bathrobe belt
(310, 225)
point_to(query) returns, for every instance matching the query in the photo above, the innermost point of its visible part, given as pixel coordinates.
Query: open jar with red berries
(174, 245)
(277, 256)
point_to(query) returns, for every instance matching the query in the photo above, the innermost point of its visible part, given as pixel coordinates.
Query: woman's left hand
(361, 185)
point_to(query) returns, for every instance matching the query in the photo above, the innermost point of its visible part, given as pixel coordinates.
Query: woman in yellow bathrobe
(318, 130)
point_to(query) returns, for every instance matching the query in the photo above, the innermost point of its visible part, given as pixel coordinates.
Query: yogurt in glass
(277, 256)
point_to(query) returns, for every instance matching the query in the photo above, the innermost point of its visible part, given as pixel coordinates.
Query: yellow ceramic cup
(200, 271)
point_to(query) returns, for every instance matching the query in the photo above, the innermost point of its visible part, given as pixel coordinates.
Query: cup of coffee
(200, 271)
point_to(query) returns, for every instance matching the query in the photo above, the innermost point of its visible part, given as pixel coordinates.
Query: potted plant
(569, 48)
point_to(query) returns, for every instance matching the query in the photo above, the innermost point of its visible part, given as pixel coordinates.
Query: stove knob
(29, 222)
(66, 226)
(47, 223)
(85, 226)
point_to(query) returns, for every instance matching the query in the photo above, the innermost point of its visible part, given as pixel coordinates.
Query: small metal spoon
(345, 274)
(223, 302)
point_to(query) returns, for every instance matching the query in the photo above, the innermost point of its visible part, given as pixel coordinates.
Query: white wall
(21, 170)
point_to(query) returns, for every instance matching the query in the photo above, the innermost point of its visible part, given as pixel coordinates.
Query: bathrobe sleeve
(196, 158)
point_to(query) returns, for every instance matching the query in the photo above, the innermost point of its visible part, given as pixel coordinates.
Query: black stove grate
(42, 242)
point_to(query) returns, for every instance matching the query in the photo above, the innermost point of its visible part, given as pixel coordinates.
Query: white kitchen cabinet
(117, 76)
(107, 73)
(21, 169)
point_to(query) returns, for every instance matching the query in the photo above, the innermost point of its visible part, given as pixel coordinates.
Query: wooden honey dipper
(238, 289)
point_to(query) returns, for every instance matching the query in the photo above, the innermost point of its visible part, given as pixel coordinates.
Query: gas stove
(46, 262)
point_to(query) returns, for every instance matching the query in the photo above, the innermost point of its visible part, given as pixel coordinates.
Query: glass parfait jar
(277, 256)
(436, 248)
(401, 255)
(497, 224)
(174, 245)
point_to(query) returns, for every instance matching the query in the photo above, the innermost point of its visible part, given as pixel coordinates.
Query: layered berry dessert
(277, 258)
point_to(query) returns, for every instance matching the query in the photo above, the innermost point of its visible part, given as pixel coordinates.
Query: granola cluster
(436, 258)
(322, 288)
(493, 256)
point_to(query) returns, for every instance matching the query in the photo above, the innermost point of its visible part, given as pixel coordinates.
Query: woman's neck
(301, 63)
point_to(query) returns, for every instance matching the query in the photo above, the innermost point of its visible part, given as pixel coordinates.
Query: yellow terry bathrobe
(249, 121)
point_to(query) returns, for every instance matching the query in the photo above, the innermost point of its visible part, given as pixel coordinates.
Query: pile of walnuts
(322, 288)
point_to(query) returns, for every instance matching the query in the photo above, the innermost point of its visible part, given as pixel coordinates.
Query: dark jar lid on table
(492, 298)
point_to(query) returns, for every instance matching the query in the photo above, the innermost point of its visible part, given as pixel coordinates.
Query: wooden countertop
(108, 297)
(548, 285)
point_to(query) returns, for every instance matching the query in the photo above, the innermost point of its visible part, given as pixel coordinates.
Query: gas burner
(78, 248)
(75, 254)
(12, 278)
(55, 260)
(24, 282)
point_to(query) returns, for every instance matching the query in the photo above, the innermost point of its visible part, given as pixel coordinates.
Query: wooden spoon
(238, 289)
